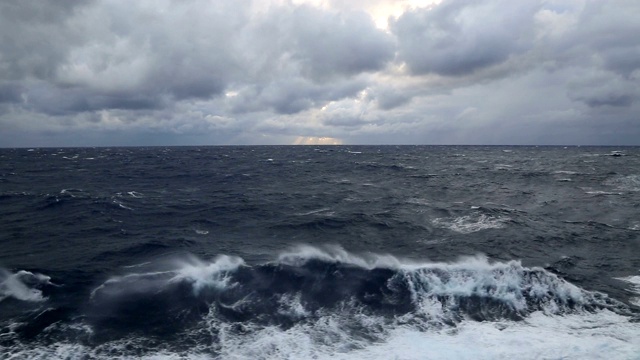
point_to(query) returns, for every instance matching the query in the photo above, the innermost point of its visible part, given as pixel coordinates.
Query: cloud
(330, 44)
(604, 89)
(609, 29)
(10, 92)
(244, 71)
(35, 37)
(293, 95)
(459, 37)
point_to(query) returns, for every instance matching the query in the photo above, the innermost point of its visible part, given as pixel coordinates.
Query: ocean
(329, 252)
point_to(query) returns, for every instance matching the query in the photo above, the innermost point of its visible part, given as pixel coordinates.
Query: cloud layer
(109, 72)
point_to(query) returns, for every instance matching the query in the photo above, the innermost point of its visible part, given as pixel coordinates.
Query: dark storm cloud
(117, 55)
(35, 37)
(459, 37)
(460, 71)
(611, 31)
(314, 56)
(10, 92)
(602, 53)
(146, 55)
(604, 90)
(389, 98)
(329, 44)
(46, 99)
(290, 96)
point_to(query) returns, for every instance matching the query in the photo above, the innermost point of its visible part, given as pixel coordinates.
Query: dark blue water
(410, 252)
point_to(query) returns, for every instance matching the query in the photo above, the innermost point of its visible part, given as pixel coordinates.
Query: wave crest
(22, 285)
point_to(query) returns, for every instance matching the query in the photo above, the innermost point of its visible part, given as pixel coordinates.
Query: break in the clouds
(279, 72)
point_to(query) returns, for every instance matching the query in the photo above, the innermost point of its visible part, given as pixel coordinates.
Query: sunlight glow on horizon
(315, 140)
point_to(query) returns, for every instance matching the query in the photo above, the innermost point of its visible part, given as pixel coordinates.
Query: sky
(225, 72)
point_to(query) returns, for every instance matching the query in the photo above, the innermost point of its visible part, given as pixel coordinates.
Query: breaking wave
(326, 302)
(22, 285)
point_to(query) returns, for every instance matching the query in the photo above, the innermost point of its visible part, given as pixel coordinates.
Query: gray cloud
(242, 71)
(388, 98)
(330, 44)
(119, 55)
(35, 37)
(610, 30)
(460, 36)
(10, 92)
(59, 101)
(290, 96)
(603, 90)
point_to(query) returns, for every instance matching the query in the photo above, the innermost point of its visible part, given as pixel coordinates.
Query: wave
(634, 288)
(308, 282)
(625, 183)
(472, 223)
(326, 302)
(22, 285)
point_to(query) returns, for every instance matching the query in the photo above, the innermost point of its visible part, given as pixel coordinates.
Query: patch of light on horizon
(315, 140)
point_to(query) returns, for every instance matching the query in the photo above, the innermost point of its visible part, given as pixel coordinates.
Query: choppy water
(410, 252)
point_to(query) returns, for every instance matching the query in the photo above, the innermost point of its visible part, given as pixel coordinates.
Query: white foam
(634, 281)
(602, 335)
(348, 332)
(625, 183)
(317, 211)
(476, 276)
(121, 205)
(503, 167)
(134, 194)
(200, 274)
(207, 274)
(22, 285)
(70, 192)
(471, 223)
(508, 282)
(602, 192)
(291, 305)
(419, 201)
(300, 254)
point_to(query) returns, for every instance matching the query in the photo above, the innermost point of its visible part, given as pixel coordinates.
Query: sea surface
(302, 252)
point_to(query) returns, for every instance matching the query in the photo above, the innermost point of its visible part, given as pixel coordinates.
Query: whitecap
(350, 332)
(22, 285)
(198, 273)
(503, 167)
(634, 282)
(134, 194)
(625, 183)
(602, 192)
(300, 254)
(471, 223)
(313, 212)
(120, 204)
(419, 201)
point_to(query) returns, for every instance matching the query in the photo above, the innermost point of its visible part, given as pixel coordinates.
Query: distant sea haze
(340, 252)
